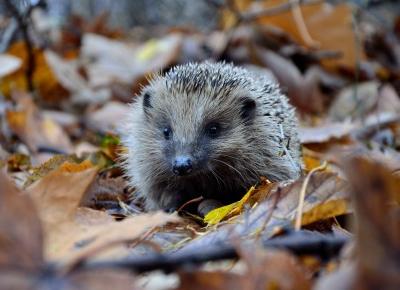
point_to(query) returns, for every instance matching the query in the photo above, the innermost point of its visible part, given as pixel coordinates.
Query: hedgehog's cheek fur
(248, 109)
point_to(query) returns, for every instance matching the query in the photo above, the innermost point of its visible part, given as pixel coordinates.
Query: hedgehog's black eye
(213, 129)
(167, 131)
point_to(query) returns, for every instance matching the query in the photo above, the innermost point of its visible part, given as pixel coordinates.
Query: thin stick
(200, 198)
(299, 214)
(23, 23)
(251, 15)
(301, 25)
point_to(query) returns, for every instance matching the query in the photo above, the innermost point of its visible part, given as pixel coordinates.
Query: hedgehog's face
(197, 134)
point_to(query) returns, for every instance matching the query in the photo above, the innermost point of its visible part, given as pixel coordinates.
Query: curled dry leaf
(272, 269)
(22, 265)
(20, 229)
(375, 189)
(72, 232)
(320, 18)
(46, 84)
(68, 76)
(268, 269)
(27, 122)
(108, 118)
(358, 129)
(303, 90)
(109, 61)
(360, 100)
(326, 196)
(324, 133)
(376, 198)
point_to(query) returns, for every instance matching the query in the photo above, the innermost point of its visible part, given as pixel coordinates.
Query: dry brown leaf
(203, 280)
(20, 230)
(117, 61)
(27, 122)
(360, 100)
(44, 80)
(325, 132)
(108, 118)
(273, 269)
(22, 265)
(326, 196)
(376, 197)
(320, 18)
(58, 196)
(303, 90)
(270, 269)
(69, 77)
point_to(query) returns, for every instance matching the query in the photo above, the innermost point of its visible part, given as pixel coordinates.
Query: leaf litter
(72, 222)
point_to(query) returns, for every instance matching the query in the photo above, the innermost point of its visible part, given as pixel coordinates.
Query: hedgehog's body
(208, 130)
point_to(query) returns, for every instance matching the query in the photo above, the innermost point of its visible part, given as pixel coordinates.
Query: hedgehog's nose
(182, 165)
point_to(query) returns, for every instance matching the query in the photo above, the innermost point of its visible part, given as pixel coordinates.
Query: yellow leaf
(148, 51)
(325, 210)
(218, 214)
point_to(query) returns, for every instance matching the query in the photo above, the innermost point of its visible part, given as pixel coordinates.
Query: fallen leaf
(359, 100)
(20, 230)
(108, 118)
(111, 61)
(326, 196)
(21, 254)
(320, 18)
(27, 122)
(57, 197)
(273, 269)
(71, 232)
(69, 77)
(218, 214)
(217, 280)
(44, 81)
(8, 64)
(325, 132)
(303, 90)
(374, 189)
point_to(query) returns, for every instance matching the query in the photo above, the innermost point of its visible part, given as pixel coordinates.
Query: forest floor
(69, 220)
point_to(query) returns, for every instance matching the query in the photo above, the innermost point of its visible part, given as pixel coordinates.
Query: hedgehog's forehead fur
(215, 80)
(204, 92)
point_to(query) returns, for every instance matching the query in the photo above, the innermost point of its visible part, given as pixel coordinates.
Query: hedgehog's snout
(182, 165)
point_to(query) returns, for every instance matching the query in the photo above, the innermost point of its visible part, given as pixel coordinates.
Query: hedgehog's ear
(248, 110)
(147, 102)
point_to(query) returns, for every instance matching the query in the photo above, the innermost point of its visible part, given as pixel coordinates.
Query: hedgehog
(208, 130)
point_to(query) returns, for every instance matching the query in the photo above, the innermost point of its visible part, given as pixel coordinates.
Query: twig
(252, 15)
(23, 24)
(303, 190)
(301, 25)
(200, 198)
(299, 243)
